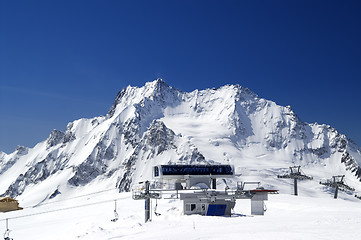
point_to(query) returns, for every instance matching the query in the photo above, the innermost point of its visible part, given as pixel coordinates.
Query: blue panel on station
(197, 170)
(216, 210)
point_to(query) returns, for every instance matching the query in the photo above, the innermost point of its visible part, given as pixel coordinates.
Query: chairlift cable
(61, 209)
(66, 199)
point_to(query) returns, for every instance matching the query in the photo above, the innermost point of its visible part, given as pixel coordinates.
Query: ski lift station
(196, 187)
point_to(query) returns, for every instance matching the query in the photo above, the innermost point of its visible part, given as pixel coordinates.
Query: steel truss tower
(295, 174)
(338, 183)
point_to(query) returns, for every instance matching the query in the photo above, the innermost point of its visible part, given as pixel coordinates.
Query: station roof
(7, 199)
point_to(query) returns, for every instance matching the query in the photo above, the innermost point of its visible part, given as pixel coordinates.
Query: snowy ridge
(157, 124)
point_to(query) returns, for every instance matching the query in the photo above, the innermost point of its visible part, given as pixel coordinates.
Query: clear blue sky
(64, 60)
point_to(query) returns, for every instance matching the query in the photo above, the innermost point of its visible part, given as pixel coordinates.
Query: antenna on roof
(295, 174)
(338, 183)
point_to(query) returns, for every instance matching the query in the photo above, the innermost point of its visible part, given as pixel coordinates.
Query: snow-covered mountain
(157, 124)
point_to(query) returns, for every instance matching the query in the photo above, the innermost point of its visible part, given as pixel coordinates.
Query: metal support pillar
(295, 186)
(336, 192)
(147, 201)
(214, 183)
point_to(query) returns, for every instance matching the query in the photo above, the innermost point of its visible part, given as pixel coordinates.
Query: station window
(190, 207)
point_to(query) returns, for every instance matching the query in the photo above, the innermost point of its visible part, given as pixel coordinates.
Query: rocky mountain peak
(21, 150)
(55, 138)
(158, 124)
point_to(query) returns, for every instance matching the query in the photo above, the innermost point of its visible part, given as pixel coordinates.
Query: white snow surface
(89, 217)
(68, 183)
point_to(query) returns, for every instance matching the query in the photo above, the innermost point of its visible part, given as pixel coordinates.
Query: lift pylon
(295, 174)
(338, 183)
(145, 193)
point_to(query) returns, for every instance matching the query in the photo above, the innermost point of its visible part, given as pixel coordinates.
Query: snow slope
(157, 124)
(89, 217)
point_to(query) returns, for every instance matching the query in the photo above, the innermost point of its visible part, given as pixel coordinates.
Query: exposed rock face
(157, 124)
(35, 174)
(5, 165)
(55, 138)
